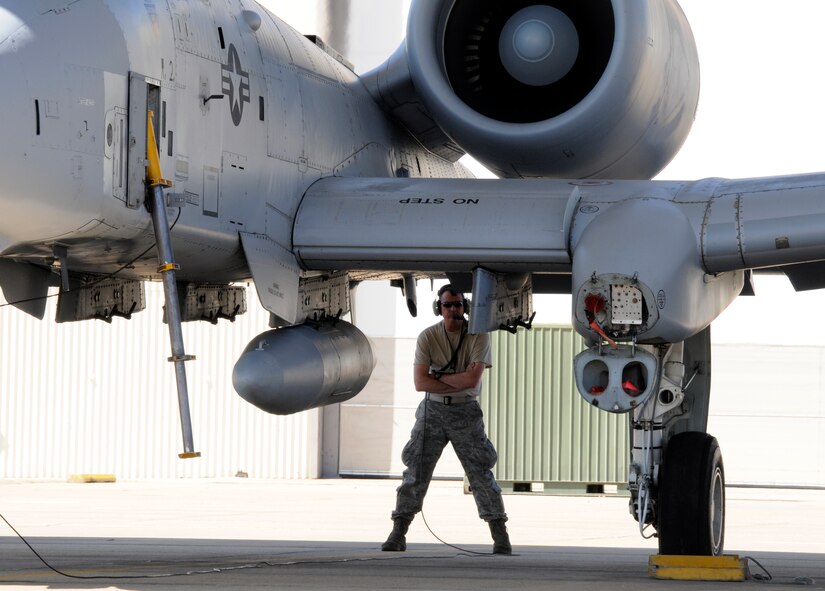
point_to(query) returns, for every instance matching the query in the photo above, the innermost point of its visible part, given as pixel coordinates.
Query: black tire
(691, 503)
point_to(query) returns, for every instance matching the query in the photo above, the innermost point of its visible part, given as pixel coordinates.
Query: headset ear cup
(467, 304)
(437, 307)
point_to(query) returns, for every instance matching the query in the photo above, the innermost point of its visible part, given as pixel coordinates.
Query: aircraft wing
(680, 240)
(803, 276)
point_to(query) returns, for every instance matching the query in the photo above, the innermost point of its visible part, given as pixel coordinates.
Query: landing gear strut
(676, 479)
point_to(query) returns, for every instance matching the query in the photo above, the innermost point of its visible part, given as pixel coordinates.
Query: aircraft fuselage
(75, 131)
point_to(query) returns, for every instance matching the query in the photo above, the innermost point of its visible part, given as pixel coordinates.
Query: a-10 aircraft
(286, 168)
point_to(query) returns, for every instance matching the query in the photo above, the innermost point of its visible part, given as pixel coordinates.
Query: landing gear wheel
(691, 506)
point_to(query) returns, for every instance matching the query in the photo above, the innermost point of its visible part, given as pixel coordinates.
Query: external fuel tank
(288, 370)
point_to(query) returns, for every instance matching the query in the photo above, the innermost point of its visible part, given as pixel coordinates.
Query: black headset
(449, 288)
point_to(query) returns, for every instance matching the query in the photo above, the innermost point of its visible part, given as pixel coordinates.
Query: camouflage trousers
(462, 425)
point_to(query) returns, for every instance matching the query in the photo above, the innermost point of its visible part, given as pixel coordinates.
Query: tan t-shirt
(435, 347)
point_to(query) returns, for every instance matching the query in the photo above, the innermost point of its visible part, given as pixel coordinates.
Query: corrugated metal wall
(544, 431)
(90, 397)
(767, 409)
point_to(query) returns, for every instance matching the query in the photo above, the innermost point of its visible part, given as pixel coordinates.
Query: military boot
(501, 540)
(397, 542)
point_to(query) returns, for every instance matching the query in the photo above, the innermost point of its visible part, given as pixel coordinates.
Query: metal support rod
(167, 267)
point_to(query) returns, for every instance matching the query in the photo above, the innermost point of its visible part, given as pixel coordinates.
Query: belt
(448, 400)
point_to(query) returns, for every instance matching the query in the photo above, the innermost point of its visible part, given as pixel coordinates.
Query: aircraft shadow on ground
(145, 563)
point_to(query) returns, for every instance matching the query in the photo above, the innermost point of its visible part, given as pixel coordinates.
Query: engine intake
(559, 88)
(546, 57)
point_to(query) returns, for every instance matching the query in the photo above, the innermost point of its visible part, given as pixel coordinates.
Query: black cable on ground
(766, 577)
(221, 569)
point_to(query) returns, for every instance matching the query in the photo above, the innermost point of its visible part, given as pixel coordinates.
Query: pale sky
(761, 112)
(761, 107)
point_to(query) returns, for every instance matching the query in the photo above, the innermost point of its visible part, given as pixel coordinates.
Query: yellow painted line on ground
(92, 478)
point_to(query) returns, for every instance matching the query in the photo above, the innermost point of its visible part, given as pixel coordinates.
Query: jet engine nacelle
(591, 88)
(300, 367)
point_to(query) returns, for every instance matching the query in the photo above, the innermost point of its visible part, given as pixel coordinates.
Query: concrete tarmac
(326, 534)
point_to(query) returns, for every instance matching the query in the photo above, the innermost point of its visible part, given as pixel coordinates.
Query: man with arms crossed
(448, 366)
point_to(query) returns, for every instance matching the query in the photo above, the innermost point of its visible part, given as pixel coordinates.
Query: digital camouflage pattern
(462, 425)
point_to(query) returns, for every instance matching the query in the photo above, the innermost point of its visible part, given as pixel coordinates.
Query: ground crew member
(448, 366)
